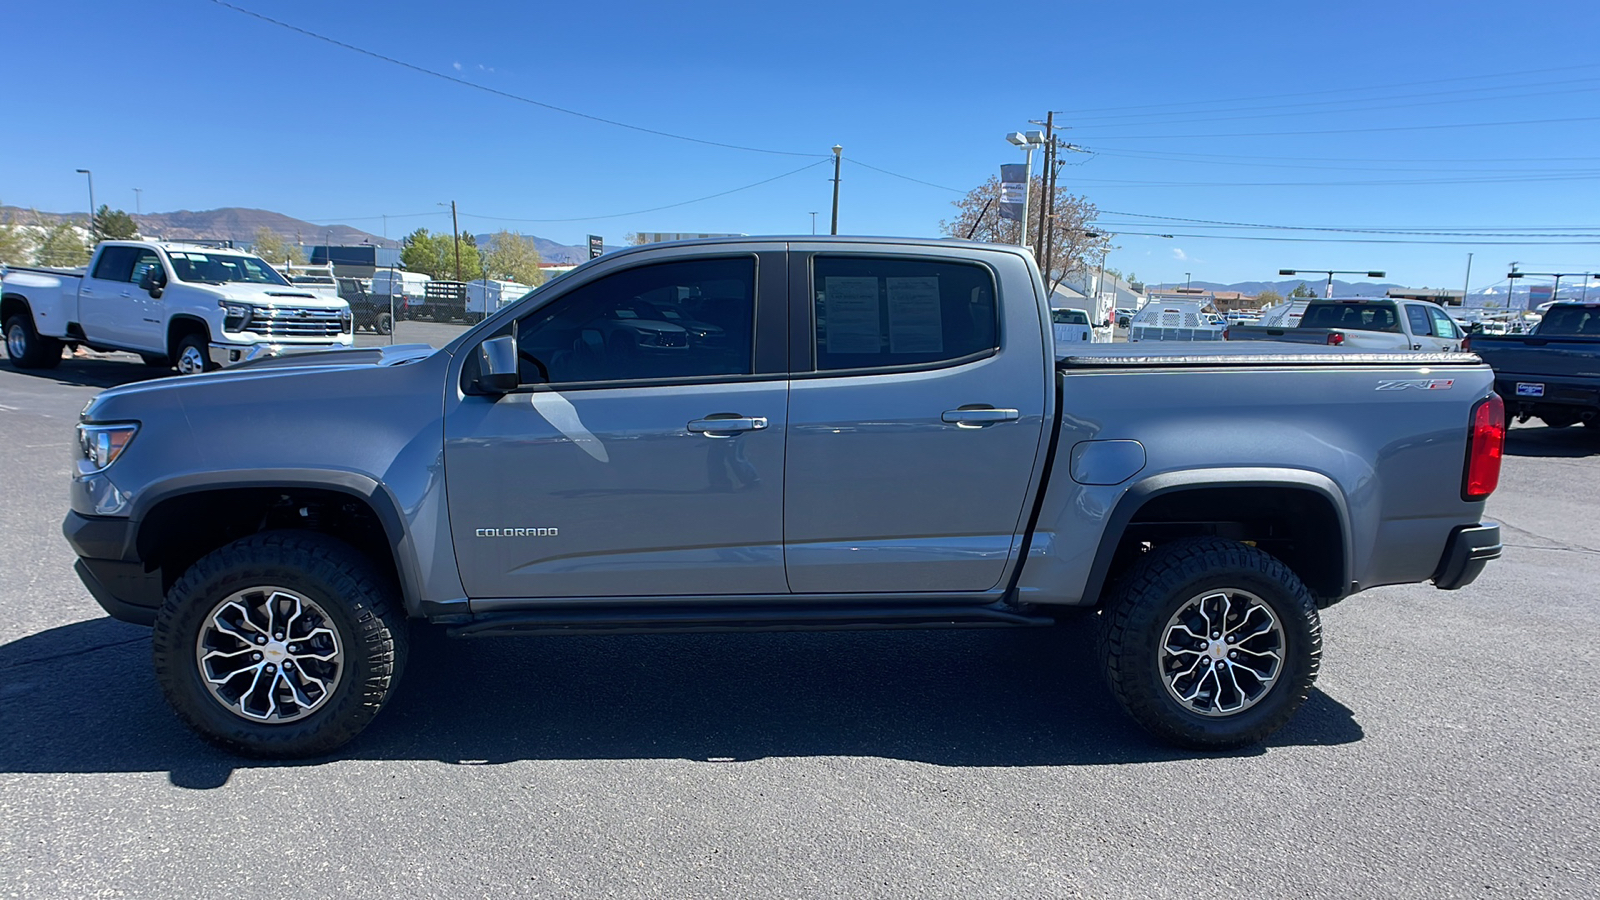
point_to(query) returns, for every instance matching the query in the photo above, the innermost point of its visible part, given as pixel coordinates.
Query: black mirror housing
(153, 281)
(497, 365)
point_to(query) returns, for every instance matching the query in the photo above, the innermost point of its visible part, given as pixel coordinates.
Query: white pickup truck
(1363, 323)
(188, 306)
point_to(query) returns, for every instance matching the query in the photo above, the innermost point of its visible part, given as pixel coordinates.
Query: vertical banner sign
(597, 245)
(1540, 293)
(1013, 191)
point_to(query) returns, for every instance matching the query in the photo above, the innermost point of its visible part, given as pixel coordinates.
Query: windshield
(1351, 316)
(1069, 317)
(1573, 320)
(222, 268)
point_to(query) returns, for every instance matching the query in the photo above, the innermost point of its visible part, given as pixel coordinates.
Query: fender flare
(358, 485)
(1143, 491)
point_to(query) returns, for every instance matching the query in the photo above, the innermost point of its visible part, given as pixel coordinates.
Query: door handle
(979, 417)
(714, 426)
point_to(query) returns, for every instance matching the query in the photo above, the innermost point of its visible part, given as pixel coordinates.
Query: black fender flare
(1143, 491)
(358, 485)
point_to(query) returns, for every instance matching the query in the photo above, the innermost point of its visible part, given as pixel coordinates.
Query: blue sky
(1197, 111)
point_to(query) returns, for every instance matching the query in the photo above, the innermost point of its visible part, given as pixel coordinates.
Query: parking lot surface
(1451, 749)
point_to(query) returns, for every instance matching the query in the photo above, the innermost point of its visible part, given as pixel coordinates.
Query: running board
(650, 620)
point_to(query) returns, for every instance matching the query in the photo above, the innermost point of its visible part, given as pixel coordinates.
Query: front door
(915, 434)
(644, 456)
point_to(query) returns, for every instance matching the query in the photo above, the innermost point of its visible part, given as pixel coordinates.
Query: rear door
(1445, 330)
(108, 310)
(915, 418)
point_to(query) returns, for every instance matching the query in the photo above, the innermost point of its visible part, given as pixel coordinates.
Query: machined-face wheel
(191, 361)
(269, 655)
(16, 340)
(1221, 652)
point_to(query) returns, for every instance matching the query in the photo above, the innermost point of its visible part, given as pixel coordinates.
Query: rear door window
(1418, 317)
(1443, 325)
(885, 312)
(115, 264)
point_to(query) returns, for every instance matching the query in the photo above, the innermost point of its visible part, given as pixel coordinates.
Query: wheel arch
(167, 535)
(1164, 506)
(14, 304)
(181, 326)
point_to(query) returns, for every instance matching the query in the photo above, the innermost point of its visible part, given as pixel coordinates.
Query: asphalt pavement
(1450, 749)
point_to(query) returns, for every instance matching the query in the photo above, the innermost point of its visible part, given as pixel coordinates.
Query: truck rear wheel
(283, 644)
(26, 348)
(385, 324)
(1210, 644)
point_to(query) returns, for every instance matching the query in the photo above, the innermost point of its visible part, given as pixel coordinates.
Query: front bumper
(1468, 550)
(109, 568)
(228, 354)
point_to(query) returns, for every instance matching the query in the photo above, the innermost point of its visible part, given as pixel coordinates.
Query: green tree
(1301, 291)
(274, 248)
(1269, 297)
(111, 225)
(434, 255)
(978, 218)
(513, 257)
(62, 245)
(16, 244)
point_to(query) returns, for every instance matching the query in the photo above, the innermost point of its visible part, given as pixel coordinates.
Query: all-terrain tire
(361, 606)
(1134, 633)
(26, 347)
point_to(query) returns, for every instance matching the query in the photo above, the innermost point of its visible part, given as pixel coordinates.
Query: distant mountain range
(239, 224)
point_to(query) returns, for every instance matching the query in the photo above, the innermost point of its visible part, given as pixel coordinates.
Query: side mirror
(497, 365)
(153, 281)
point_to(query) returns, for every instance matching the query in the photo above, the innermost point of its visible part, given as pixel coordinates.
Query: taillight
(1336, 338)
(1486, 440)
(1466, 343)
(1225, 335)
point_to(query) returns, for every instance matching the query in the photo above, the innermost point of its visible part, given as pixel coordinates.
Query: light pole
(1468, 284)
(837, 149)
(813, 223)
(1188, 283)
(90, 175)
(1328, 291)
(1027, 141)
(138, 201)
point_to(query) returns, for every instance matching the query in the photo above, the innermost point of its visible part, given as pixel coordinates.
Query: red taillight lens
(1225, 335)
(1486, 441)
(1466, 343)
(1336, 338)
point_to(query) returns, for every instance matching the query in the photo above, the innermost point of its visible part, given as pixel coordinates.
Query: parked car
(186, 306)
(408, 289)
(1552, 373)
(1364, 324)
(1070, 325)
(884, 438)
(369, 312)
(1124, 317)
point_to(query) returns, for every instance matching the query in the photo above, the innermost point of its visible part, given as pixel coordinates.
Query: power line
(1166, 137)
(1258, 162)
(1518, 74)
(1314, 240)
(904, 177)
(1393, 182)
(499, 93)
(1223, 224)
(655, 208)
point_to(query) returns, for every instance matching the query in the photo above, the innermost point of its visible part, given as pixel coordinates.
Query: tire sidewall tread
(1169, 576)
(359, 602)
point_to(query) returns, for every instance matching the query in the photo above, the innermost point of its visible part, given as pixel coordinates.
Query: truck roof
(180, 247)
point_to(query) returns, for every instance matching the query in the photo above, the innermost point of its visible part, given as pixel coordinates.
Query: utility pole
(837, 149)
(138, 201)
(1044, 186)
(1468, 284)
(1511, 285)
(455, 232)
(813, 223)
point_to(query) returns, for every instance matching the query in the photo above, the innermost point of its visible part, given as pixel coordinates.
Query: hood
(291, 295)
(289, 364)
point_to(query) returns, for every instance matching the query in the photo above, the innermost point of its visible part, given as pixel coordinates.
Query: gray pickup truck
(776, 434)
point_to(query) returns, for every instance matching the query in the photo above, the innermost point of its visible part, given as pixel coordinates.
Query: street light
(1555, 293)
(1328, 292)
(1027, 140)
(91, 200)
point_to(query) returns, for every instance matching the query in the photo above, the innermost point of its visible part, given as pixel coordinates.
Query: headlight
(102, 444)
(236, 316)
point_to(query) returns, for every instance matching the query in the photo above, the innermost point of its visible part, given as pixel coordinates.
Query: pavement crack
(70, 653)
(1556, 543)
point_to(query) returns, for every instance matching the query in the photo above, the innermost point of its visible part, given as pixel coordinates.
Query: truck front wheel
(283, 644)
(193, 355)
(1211, 644)
(26, 348)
